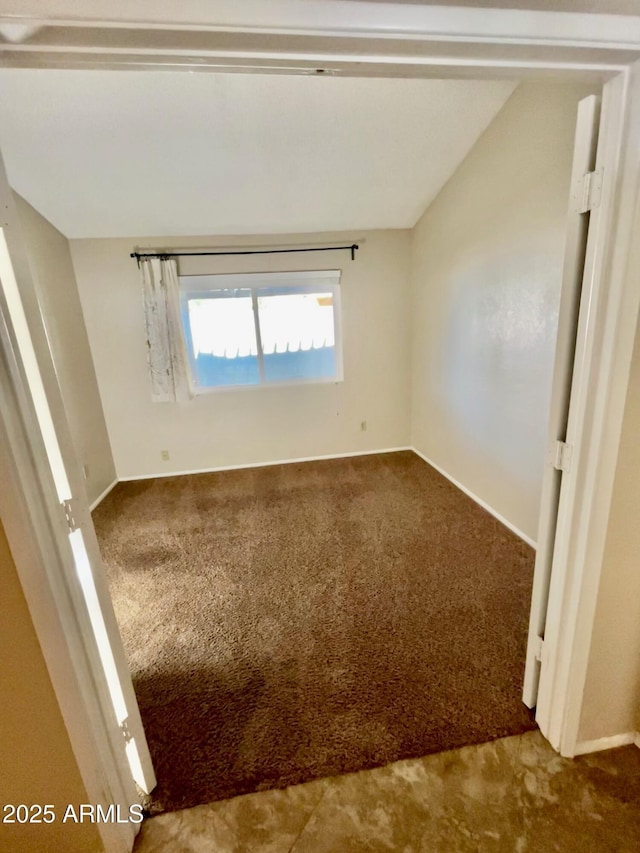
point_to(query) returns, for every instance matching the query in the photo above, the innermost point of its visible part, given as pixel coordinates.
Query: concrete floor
(514, 795)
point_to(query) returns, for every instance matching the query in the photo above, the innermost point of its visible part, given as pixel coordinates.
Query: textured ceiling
(106, 154)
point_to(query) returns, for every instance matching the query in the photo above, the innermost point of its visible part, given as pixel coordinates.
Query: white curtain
(166, 348)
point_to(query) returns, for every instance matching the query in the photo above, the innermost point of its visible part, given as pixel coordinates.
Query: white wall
(252, 425)
(50, 262)
(486, 275)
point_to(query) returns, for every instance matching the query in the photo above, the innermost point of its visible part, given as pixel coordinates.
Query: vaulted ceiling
(119, 153)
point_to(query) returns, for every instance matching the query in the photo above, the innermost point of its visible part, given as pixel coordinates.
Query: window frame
(274, 283)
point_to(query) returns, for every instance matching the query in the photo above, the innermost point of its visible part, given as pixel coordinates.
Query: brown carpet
(303, 620)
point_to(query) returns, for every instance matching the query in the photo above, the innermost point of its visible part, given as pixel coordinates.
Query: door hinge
(562, 459)
(538, 649)
(126, 731)
(589, 191)
(68, 507)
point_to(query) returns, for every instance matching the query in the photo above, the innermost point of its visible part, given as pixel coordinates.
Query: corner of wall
(55, 280)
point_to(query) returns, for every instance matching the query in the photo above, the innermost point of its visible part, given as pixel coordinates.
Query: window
(262, 329)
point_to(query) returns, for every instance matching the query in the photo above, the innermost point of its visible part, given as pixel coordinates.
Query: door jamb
(38, 536)
(595, 418)
(28, 508)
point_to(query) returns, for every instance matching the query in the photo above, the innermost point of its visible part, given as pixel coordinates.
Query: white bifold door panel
(75, 573)
(586, 184)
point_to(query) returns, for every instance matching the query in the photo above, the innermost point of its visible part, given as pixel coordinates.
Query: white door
(585, 181)
(83, 576)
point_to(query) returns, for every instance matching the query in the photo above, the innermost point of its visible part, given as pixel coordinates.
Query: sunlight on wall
(497, 358)
(30, 362)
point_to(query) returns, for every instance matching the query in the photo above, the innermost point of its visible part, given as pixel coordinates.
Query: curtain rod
(162, 255)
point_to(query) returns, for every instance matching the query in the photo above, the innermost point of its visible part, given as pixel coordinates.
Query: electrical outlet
(363, 426)
(164, 455)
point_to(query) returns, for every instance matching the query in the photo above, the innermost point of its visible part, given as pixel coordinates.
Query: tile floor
(514, 795)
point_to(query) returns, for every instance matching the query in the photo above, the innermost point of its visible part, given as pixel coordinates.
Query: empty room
(309, 333)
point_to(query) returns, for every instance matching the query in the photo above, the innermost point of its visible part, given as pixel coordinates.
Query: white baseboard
(103, 495)
(478, 500)
(261, 464)
(355, 453)
(597, 745)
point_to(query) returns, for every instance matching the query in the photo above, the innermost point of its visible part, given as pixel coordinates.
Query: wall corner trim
(162, 474)
(101, 497)
(586, 746)
(478, 500)
(440, 470)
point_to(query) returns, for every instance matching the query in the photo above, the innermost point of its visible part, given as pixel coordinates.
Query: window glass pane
(223, 339)
(298, 338)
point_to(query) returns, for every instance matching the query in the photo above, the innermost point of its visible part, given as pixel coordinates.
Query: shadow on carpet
(305, 620)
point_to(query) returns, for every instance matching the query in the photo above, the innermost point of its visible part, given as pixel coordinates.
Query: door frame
(482, 49)
(573, 274)
(576, 546)
(37, 534)
(604, 348)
